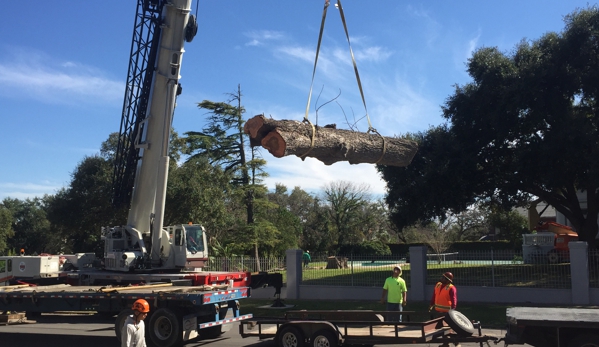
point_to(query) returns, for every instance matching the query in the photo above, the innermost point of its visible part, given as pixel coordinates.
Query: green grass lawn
(501, 275)
(490, 315)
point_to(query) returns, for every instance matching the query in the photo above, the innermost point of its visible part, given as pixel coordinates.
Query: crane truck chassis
(178, 313)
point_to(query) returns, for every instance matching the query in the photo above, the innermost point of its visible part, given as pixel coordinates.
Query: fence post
(418, 273)
(492, 267)
(294, 272)
(579, 269)
(351, 261)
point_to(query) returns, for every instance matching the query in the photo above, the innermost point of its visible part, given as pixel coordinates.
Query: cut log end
(253, 126)
(274, 143)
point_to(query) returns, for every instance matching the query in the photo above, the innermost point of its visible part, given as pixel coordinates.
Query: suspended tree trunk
(287, 137)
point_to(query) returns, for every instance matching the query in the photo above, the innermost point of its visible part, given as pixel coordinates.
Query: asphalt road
(96, 331)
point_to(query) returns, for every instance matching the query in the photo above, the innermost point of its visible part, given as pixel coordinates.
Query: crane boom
(143, 242)
(149, 192)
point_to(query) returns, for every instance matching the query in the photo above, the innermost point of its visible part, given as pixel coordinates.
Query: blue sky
(63, 66)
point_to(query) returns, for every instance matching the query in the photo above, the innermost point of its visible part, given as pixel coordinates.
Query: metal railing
(500, 269)
(471, 268)
(478, 268)
(241, 263)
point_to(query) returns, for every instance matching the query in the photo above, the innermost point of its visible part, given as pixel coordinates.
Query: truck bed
(64, 297)
(552, 316)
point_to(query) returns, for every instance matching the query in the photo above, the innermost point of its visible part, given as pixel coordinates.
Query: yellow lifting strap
(306, 120)
(370, 128)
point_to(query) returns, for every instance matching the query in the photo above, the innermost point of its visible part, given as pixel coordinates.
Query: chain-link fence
(593, 256)
(353, 270)
(269, 264)
(498, 269)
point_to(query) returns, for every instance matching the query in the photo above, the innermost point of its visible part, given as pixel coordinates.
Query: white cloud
(312, 175)
(37, 76)
(301, 53)
(26, 190)
(399, 107)
(432, 28)
(375, 54)
(259, 37)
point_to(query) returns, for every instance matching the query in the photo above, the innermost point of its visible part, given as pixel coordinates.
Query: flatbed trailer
(177, 314)
(553, 327)
(337, 328)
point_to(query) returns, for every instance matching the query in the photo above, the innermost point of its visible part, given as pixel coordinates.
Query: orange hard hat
(448, 276)
(141, 305)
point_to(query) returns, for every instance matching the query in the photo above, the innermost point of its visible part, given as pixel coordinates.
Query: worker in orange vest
(445, 296)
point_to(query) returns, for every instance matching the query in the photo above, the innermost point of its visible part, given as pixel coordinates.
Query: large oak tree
(526, 126)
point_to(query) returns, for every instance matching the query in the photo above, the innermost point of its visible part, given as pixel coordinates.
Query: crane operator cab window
(5, 270)
(195, 238)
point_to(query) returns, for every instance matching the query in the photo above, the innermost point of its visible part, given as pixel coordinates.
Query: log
(288, 137)
(337, 263)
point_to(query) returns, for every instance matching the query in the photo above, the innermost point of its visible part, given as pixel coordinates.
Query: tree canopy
(526, 126)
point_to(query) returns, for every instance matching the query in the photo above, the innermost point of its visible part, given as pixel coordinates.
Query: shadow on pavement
(73, 318)
(21, 340)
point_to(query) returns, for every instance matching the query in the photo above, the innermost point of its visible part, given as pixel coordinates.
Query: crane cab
(5, 270)
(192, 246)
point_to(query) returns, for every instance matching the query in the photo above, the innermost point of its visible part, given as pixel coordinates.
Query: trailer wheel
(120, 321)
(459, 323)
(165, 328)
(324, 338)
(290, 337)
(586, 340)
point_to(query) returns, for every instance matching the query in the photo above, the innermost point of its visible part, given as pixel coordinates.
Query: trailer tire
(324, 338)
(120, 321)
(586, 340)
(164, 329)
(290, 337)
(459, 323)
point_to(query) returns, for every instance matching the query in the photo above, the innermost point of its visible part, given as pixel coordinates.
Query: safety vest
(442, 299)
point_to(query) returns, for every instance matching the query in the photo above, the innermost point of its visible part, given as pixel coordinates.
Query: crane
(142, 157)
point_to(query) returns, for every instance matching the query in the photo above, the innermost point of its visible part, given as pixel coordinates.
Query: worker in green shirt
(395, 292)
(306, 258)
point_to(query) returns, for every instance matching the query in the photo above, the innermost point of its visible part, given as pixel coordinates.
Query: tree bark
(287, 137)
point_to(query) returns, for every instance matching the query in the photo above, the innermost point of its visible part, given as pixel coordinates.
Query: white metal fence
(500, 269)
(472, 268)
(269, 264)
